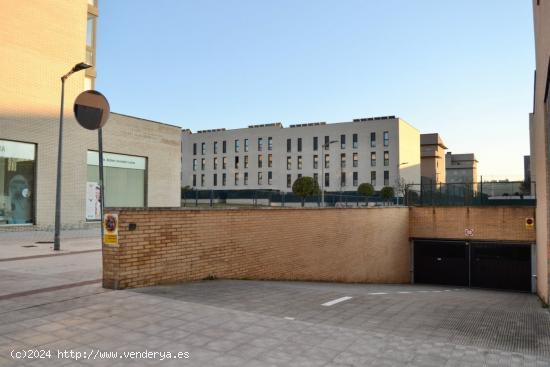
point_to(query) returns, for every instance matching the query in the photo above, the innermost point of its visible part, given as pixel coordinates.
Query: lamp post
(399, 180)
(77, 67)
(325, 147)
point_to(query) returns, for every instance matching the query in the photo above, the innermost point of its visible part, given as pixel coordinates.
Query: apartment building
(460, 168)
(432, 153)
(539, 139)
(380, 151)
(41, 40)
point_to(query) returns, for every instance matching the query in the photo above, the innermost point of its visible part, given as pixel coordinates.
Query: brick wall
(173, 245)
(492, 223)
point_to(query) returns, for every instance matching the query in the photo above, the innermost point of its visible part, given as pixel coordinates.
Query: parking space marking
(377, 293)
(335, 301)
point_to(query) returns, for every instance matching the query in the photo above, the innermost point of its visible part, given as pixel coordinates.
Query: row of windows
(236, 179)
(289, 161)
(327, 142)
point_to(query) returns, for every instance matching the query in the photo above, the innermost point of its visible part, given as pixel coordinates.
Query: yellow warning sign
(110, 229)
(529, 223)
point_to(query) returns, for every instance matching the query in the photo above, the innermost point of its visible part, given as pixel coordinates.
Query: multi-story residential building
(526, 168)
(432, 151)
(42, 40)
(539, 140)
(380, 151)
(460, 168)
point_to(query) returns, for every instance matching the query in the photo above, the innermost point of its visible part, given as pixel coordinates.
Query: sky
(463, 68)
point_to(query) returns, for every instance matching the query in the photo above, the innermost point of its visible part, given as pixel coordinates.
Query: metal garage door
(475, 264)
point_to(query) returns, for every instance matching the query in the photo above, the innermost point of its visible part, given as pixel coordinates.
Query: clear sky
(461, 68)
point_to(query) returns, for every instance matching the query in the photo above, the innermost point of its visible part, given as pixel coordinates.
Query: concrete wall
(490, 223)
(347, 245)
(541, 15)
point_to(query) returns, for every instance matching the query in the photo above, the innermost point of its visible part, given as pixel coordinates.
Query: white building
(379, 150)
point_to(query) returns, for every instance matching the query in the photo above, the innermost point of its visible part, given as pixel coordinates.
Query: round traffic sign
(91, 109)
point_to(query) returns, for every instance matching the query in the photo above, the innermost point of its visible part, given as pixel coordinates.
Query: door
(441, 262)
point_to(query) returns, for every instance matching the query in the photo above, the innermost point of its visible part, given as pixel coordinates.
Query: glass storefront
(124, 178)
(17, 177)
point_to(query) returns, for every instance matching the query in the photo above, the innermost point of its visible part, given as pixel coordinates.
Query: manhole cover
(29, 246)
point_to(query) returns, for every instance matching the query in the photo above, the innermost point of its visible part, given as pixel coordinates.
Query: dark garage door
(479, 264)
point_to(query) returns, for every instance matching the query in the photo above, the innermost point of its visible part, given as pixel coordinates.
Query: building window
(17, 178)
(194, 148)
(372, 140)
(259, 178)
(269, 177)
(299, 144)
(315, 161)
(343, 179)
(215, 162)
(237, 162)
(355, 160)
(288, 180)
(327, 179)
(327, 142)
(373, 159)
(355, 179)
(237, 146)
(386, 178)
(202, 179)
(245, 161)
(288, 163)
(88, 83)
(215, 179)
(224, 163)
(194, 164)
(194, 180)
(288, 145)
(260, 144)
(260, 160)
(203, 148)
(373, 178)
(224, 179)
(343, 141)
(316, 178)
(224, 147)
(386, 138)
(246, 145)
(386, 158)
(215, 147)
(299, 175)
(327, 160)
(315, 143)
(355, 141)
(270, 143)
(246, 178)
(90, 39)
(270, 160)
(124, 177)
(343, 160)
(299, 162)
(236, 178)
(203, 164)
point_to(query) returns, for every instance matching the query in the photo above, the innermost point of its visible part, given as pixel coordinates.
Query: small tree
(366, 190)
(185, 190)
(304, 187)
(387, 193)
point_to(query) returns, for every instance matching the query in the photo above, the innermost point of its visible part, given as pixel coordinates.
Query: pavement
(48, 308)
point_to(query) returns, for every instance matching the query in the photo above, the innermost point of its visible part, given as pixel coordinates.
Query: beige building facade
(460, 168)
(539, 141)
(41, 41)
(432, 151)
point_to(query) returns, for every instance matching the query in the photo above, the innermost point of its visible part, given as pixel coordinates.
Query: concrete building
(539, 139)
(41, 41)
(432, 152)
(380, 151)
(526, 168)
(460, 168)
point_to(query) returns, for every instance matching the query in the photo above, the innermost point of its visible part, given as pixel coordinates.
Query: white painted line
(289, 318)
(404, 292)
(335, 301)
(377, 293)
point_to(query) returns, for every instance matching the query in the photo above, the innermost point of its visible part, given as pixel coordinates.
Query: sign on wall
(529, 223)
(93, 201)
(110, 229)
(469, 232)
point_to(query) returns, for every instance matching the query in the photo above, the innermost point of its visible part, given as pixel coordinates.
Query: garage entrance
(474, 264)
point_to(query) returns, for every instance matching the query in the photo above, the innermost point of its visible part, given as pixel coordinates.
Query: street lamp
(399, 180)
(77, 67)
(325, 147)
